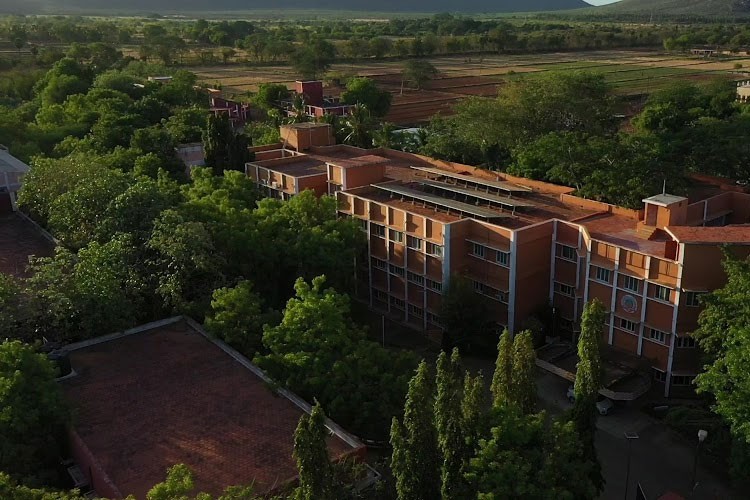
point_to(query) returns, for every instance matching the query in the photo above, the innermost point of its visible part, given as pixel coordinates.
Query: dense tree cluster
(450, 446)
(562, 128)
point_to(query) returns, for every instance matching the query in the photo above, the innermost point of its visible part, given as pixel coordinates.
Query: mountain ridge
(172, 6)
(709, 8)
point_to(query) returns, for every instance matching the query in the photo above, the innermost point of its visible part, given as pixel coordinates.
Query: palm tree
(383, 137)
(358, 127)
(298, 103)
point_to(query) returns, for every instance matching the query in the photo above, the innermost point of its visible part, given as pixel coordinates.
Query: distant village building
(192, 155)
(743, 91)
(316, 104)
(704, 51)
(238, 113)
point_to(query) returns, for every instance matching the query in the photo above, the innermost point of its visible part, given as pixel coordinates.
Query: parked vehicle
(603, 405)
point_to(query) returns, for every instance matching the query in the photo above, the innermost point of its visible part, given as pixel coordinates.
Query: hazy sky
(599, 2)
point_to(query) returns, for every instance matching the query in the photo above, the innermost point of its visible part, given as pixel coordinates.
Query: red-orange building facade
(525, 245)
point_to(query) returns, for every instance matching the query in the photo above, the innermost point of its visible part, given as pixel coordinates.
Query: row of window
(411, 241)
(396, 303)
(564, 289)
(656, 335)
(661, 376)
(659, 292)
(489, 291)
(487, 253)
(412, 277)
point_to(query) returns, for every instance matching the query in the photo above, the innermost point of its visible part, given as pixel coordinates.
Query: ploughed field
(632, 72)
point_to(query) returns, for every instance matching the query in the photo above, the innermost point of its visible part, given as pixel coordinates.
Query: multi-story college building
(524, 244)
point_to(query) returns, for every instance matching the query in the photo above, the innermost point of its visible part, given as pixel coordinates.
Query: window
(435, 285)
(662, 293)
(657, 335)
(414, 243)
(564, 289)
(433, 318)
(377, 230)
(659, 375)
(693, 299)
(503, 258)
(415, 278)
(627, 325)
(682, 379)
(631, 283)
(478, 287)
(396, 236)
(398, 271)
(379, 295)
(379, 264)
(398, 303)
(415, 311)
(363, 224)
(603, 274)
(477, 250)
(685, 342)
(436, 250)
(566, 252)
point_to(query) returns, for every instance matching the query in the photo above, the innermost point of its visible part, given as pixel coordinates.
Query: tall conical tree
(501, 379)
(416, 460)
(311, 452)
(523, 378)
(589, 381)
(448, 423)
(473, 411)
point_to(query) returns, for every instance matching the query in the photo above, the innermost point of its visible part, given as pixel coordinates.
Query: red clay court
(169, 394)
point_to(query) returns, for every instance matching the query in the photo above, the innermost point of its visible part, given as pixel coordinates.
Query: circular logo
(629, 304)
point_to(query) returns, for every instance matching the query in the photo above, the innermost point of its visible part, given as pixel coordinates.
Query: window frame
(396, 236)
(478, 250)
(505, 260)
(559, 289)
(410, 239)
(434, 246)
(679, 343)
(377, 230)
(415, 278)
(395, 270)
(692, 298)
(623, 328)
(626, 280)
(660, 338)
(599, 270)
(657, 293)
(563, 249)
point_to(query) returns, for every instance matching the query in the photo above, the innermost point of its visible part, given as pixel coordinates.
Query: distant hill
(181, 6)
(709, 8)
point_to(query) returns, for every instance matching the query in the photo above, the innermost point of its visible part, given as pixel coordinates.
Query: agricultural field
(630, 73)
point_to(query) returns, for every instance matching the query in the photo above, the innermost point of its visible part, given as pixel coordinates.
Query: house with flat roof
(525, 245)
(167, 393)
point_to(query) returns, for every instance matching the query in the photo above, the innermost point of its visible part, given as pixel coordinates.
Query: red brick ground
(19, 239)
(154, 399)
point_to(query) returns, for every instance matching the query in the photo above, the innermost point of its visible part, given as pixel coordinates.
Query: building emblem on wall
(629, 304)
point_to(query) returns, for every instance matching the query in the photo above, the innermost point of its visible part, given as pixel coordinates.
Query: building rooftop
(166, 393)
(737, 234)
(20, 239)
(664, 200)
(10, 164)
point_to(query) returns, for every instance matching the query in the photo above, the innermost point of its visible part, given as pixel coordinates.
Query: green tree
(588, 382)
(501, 379)
(318, 352)
(416, 459)
(311, 453)
(313, 59)
(525, 459)
(365, 91)
(449, 424)
(237, 317)
(224, 148)
(523, 376)
(33, 415)
(358, 127)
(270, 94)
(466, 316)
(724, 335)
(418, 72)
